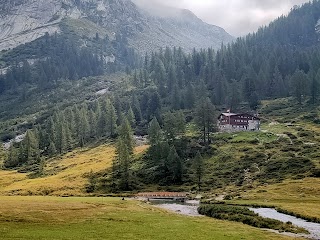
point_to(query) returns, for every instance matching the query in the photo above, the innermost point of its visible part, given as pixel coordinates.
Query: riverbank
(312, 228)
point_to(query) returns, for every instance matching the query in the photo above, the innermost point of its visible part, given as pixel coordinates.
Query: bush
(246, 216)
(290, 135)
(306, 134)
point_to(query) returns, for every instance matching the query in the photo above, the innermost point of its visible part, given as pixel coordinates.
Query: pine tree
(30, 152)
(93, 123)
(205, 117)
(198, 166)
(136, 109)
(254, 101)
(12, 159)
(174, 125)
(299, 81)
(61, 140)
(315, 87)
(154, 131)
(175, 166)
(124, 161)
(83, 127)
(155, 140)
(111, 119)
(131, 118)
(52, 150)
(126, 135)
(234, 96)
(124, 154)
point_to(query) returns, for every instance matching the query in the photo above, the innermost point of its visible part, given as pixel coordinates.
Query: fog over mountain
(238, 17)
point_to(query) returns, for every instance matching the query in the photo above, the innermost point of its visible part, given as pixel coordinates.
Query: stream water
(313, 228)
(189, 208)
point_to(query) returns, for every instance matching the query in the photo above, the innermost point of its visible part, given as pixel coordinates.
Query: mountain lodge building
(234, 122)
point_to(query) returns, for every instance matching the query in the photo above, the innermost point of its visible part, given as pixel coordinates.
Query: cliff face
(23, 21)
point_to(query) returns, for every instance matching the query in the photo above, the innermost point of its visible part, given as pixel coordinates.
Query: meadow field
(297, 196)
(111, 218)
(62, 176)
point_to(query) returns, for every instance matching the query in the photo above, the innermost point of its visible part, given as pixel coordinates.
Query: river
(190, 208)
(312, 228)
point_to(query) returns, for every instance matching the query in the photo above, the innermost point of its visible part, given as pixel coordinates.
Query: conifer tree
(30, 151)
(83, 127)
(155, 140)
(61, 136)
(12, 159)
(175, 166)
(154, 131)
(315, 87)
(124, 161)
(174, 125)
(299, 81)
(126, 135)
(124, 152)
(198, 166)
(111, 119)
(93, 123)
(131, 118)
(205, 117)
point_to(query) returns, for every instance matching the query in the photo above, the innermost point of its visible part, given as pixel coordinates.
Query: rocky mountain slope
(23, 21)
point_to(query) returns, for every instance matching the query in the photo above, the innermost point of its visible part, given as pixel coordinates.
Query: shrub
(246, 216)
(290, 135)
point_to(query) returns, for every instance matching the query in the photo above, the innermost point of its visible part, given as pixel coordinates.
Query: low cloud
(238, 17)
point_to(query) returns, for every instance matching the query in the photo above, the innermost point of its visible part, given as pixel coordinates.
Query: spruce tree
(126, 135)
(111, 119)
(198, 166)
(299, 81)
(175, 166)
(131, 117)
(155, 140)
(315, 88)
(124, 150)
(205, 118)
(154, 131)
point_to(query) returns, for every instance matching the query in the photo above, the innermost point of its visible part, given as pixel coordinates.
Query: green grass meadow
(110, 218)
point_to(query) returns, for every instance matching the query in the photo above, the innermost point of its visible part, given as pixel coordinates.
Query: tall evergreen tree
(198, 166)
(175, 166)
(299, 81)
(315, 87)
(205, 117)
(111, 119)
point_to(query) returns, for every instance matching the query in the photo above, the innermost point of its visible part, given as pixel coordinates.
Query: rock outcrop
(23, 21)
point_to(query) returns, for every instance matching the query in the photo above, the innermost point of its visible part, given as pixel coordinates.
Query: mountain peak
(146, 27)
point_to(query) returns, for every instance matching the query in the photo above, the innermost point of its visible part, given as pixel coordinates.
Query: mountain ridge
(27, 20)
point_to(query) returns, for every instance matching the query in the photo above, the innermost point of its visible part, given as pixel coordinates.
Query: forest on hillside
(168, 89)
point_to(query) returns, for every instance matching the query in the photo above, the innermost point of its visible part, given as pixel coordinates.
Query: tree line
(60, 57)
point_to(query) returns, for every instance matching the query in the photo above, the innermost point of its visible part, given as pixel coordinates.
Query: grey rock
(23, 21)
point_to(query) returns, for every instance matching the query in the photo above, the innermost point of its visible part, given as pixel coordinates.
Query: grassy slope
(299, 196)
(281, 117)
(63, 176)
(105, 218)
(68, 176)
(17, 115)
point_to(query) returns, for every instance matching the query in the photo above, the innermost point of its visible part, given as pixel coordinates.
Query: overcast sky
(238, 17)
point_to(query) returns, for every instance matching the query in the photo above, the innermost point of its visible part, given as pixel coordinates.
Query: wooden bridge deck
(163, 195)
